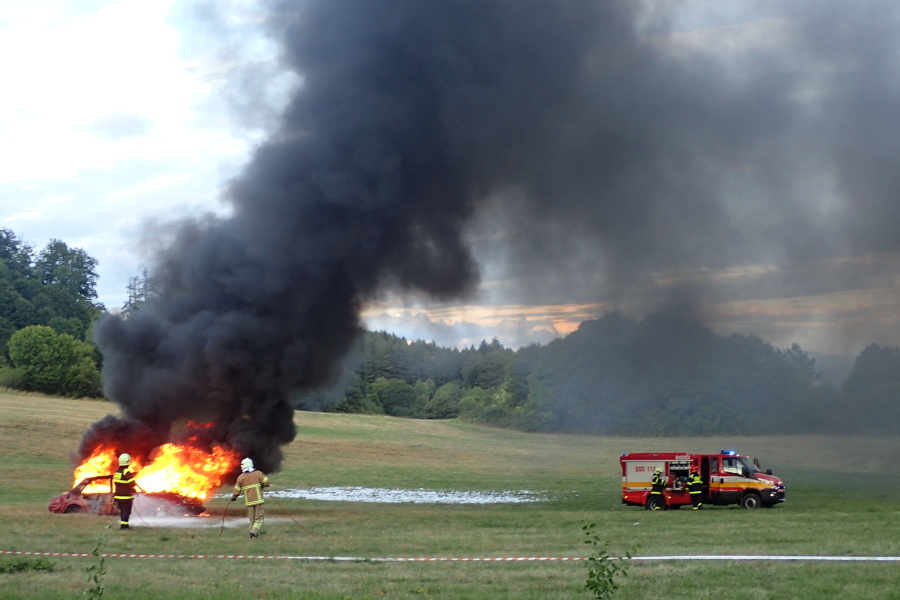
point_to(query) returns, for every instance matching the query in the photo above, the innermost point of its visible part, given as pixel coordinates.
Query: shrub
(54, 363)
(25, 565)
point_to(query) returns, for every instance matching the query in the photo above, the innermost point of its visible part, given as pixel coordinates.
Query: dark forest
(661, 375)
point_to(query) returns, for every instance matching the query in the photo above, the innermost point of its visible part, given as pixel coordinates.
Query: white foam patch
(420, 496)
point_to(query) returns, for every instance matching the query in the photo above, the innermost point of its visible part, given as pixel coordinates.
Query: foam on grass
(419, 496)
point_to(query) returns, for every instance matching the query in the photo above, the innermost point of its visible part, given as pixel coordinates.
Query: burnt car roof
(84, 482)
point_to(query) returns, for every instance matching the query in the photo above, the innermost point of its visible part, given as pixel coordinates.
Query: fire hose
(297, 523)
(135, 511)
(224, 513)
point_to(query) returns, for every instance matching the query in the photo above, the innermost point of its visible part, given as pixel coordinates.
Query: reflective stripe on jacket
(695, 483)
(251, 485)
(123, 479)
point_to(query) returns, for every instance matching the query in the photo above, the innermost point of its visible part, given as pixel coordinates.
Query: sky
(729, 160)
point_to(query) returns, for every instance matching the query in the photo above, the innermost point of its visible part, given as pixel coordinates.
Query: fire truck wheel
(655, 502)
(751, 501)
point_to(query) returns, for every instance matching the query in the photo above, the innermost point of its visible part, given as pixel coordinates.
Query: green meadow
(843, 500)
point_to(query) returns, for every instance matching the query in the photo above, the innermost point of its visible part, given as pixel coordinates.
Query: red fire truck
(728, 478)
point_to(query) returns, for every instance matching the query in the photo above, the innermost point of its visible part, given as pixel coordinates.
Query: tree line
(662, 375)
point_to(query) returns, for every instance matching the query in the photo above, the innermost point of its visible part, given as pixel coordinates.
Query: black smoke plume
(378, 163)
(595, 147)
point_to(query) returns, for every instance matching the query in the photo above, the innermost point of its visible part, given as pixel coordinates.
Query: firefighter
(250, 483)
(123, 480)
(695, 488)
(659, 486)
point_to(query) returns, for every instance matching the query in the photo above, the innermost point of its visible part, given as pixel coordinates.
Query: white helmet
(124, 459)
(246, 465)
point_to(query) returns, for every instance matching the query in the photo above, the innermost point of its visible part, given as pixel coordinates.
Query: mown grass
(842, 500)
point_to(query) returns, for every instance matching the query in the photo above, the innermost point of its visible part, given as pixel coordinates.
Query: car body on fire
(167, 504)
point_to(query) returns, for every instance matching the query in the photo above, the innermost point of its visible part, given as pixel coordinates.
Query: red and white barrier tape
(473, 559)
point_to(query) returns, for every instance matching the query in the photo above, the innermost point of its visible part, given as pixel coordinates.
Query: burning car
(94, 495)
(76, 500)
(172, 480)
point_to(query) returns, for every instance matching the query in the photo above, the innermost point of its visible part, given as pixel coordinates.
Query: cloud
(104, 111)
(115, 126)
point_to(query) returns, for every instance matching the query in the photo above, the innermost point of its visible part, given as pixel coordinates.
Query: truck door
(705, 473)
(731, 480)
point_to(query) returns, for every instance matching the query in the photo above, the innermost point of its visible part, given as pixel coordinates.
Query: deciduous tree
(71, 268)
(54, 363)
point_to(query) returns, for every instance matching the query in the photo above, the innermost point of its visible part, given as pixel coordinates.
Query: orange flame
(184, 470)
(102, 461)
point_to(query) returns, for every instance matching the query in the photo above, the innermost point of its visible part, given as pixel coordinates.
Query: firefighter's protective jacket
(250, 484)
(695, 484)
(659, 483)
(123, 479)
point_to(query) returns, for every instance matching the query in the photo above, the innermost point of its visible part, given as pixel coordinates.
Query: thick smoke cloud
(678, 158)
(587, 146)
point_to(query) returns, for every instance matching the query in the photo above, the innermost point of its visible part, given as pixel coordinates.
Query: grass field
(843, 499)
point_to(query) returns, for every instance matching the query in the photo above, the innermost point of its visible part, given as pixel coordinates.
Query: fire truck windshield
(739, 465)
